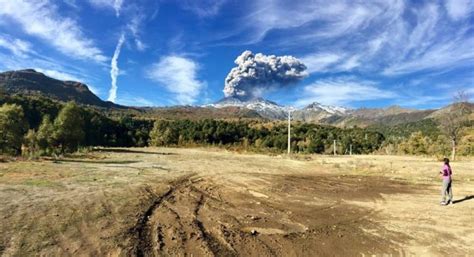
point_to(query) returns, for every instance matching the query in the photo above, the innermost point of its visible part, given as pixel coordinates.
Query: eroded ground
(205, 202)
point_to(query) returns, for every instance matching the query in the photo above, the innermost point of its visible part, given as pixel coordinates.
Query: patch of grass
(42, 183)
(99, 162)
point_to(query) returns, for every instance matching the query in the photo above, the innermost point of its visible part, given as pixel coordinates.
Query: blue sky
(376, 53)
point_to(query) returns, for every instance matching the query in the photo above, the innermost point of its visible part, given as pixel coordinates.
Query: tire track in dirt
(144, 243)
(172, 222)
(196, 216)
(216, 248)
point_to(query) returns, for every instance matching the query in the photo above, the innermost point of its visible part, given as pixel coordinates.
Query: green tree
(12, 128)
(155, 135)
(44, 136)
(31, 143)
(416, 144)
(69, 128)
(466, 143)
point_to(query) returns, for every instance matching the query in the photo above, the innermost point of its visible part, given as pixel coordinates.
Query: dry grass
(90, 205)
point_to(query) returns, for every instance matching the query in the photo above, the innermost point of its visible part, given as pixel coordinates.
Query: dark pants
(447, 190)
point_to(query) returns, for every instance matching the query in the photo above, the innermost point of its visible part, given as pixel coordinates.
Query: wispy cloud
(39, 18)
(203, 8)
(114, 69)
(17, 46)
(59, 74)
(179, 76)
(137, 101)
(71, 3)
(67, 76)
(459, 9)
(313, 19)
(321, 62)
(342, 91)
(134, 26)
(114, 4)
(51, 67)
(386, 37)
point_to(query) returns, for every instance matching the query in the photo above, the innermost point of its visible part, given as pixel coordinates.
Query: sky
(356, 53)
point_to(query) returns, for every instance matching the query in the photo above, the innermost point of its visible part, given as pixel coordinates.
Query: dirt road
(207, 202)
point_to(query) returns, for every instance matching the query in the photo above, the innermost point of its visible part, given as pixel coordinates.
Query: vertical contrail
(114, 70)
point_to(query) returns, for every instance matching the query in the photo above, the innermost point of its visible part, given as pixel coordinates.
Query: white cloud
(442, 55)
(349, 64)
(115, 4)
(179, 76)
(459, 9)
(67, 76)
(342, 91)
(134, 27)
(97, 91)
(39, 18)
(320, 62)
(54, 68)
(17, 46)
(114, 69)
(59, 74)
(331, 62)
(316, 19)
(384, 37)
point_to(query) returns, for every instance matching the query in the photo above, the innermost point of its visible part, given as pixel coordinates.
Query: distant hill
(31, 82)
(386, 116)
(198, 113)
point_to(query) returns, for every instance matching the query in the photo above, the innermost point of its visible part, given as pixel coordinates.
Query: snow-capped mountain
(317, 112)
(271, 110)
(335, 110)
(263, 107)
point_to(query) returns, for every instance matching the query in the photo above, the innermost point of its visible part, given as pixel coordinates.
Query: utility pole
(289, 131)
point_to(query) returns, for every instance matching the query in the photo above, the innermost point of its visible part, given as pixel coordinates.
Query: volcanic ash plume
(257, 73)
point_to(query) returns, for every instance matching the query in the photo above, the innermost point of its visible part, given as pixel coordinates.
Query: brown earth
(208, 202)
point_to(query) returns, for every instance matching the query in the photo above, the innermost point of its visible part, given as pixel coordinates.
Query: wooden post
(453, 153)
(289, 132)
(350, 149)
(334, 147)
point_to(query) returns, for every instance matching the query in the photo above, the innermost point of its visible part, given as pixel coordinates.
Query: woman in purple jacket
(447, 189)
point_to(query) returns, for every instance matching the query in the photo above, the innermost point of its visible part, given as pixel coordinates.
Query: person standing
(447, 189)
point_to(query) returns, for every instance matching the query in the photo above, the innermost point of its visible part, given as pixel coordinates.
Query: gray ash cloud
(255, 74)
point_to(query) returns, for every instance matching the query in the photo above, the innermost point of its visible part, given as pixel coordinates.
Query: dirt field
(205, 202)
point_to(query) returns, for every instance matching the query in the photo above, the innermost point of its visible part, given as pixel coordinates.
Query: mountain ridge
(31, 82)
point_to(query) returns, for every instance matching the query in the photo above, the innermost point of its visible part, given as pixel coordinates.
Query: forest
(35, 126)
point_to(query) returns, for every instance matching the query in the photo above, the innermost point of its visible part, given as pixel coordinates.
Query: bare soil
(209, 202)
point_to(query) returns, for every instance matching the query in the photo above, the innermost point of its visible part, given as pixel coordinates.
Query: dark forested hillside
(31, 82)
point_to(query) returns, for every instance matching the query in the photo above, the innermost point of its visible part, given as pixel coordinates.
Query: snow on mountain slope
(265, 108)
(334, 110)
(271, 110)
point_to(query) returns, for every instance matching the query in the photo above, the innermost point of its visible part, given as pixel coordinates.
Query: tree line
(40, 126)
(271, 136)
(44, 127)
